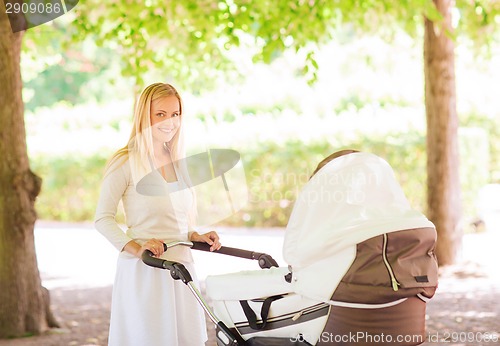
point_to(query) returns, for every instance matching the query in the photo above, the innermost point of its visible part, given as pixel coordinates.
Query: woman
(148, 307)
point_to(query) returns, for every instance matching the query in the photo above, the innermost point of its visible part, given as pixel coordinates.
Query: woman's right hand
(153, 245)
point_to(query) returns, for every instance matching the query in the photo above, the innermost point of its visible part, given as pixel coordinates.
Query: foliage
(82, 74)
(491, 127)
(70, 186)
(275, 174)
(189, 41)
(182, 39)
(479, 20)
(475, 166)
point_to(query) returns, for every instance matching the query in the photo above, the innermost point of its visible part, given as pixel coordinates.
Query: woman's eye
(160, 114)
(175, 115)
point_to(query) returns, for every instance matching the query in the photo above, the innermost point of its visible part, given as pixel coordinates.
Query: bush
(474, 167)
(70, 186)
(275, 174)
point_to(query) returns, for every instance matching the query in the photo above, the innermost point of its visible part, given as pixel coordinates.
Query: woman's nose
(169, 122)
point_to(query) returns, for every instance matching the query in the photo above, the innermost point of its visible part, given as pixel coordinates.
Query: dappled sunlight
(378, 83)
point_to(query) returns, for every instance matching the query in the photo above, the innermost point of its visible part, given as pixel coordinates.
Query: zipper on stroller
(308, 310)
(394, 282)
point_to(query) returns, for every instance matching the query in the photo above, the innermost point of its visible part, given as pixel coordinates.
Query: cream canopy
(351, 199)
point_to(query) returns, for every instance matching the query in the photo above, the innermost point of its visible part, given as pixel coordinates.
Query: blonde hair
(139, 148)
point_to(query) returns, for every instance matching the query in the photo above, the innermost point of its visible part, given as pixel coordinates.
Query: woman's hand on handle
(153, 245)
(211, 238)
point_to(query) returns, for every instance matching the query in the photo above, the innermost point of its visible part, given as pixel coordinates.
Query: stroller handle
(177, 270)
(265, 260)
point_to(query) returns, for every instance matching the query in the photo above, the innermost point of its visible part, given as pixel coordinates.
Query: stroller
(361, 267)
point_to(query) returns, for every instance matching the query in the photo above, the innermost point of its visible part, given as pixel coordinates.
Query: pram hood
(351, 199)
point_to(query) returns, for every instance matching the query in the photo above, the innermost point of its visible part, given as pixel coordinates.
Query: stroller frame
(224, 335)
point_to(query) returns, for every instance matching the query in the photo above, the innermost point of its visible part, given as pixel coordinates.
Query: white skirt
(150, 308)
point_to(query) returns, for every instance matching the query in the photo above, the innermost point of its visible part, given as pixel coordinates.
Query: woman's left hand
(211, 238)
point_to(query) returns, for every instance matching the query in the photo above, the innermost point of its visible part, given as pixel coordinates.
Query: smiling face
(165, 116)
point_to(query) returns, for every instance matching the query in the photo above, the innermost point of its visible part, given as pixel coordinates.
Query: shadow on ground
(465, 311)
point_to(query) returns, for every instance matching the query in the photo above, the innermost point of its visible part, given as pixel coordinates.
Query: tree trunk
(443, 185)
(23, 301)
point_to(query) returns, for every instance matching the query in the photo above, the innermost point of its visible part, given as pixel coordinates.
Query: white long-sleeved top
(162, 214)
